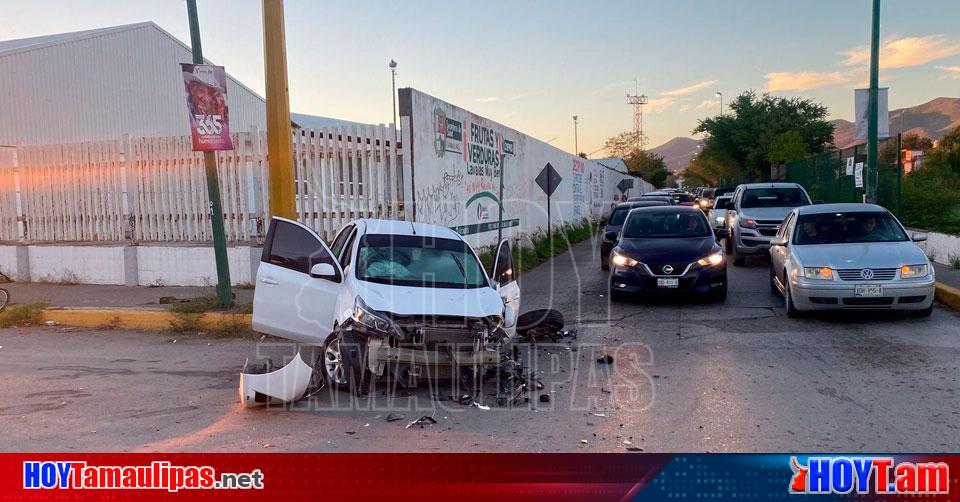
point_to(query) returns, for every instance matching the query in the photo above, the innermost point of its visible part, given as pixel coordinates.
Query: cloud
(611, 86)
(708, 103)
(804, 80)
(685, 107)
(905, 51)
(949, 72)
(690, 89)
(657, 105)
(487, 100)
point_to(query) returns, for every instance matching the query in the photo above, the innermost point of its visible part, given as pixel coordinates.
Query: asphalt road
(731, 377)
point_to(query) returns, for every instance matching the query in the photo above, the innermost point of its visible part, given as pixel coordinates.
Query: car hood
(861, 255)
(407, 300)
(663, 251)
(766, 213)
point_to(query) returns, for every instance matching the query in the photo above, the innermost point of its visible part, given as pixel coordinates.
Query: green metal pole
(224, 295)
(899, 172)
(872, 172)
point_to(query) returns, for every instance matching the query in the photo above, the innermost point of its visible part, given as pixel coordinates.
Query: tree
(951, 140)
(764, 129)
(649, 166)
(916, 142)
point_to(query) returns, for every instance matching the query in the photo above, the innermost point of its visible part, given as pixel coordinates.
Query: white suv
(393, 296)
(755, 214)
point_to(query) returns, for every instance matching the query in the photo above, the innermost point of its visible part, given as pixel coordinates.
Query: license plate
(868, 291)
(667, 282)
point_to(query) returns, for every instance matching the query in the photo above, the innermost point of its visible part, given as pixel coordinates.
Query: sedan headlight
(714, 259)
(719, 219)
(623, 260)
(913, 271)
(818, 273)
(371, 319)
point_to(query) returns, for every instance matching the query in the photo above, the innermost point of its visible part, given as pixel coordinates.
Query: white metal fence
(154, 189)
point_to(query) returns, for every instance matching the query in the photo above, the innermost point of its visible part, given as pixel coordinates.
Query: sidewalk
(107, 297)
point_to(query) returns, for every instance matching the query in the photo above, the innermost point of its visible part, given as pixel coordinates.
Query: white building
(99, 84)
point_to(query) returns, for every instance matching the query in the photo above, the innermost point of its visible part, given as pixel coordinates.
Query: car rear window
(618, 215)
(773, 197)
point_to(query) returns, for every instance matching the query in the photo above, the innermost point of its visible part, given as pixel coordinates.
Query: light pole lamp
(393, 87)
(576, 147)
(720, 95)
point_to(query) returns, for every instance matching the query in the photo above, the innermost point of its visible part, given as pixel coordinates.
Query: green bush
(931, 197)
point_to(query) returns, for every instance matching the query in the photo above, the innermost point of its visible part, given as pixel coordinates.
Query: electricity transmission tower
(638, 100)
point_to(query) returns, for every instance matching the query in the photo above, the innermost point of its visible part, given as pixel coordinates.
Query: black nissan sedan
(667, 250)
(611, 226)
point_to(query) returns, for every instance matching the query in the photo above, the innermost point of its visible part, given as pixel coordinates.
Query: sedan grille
(867, 274)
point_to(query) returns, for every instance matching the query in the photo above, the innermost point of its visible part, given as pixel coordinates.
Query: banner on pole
(862, 105)
(206, 89)
(858, 175)
(849, 171)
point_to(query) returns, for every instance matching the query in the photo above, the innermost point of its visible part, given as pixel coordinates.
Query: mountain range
(932, 119)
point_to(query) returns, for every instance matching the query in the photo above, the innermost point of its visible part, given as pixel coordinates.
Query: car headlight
(623, 260)
(371, 319)
(719, 219)
(818, 273)
(912, 271)
(714, 259)
(748, 223)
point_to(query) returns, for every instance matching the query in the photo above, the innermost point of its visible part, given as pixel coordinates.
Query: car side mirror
(323, 271)
(721, 233)
(919, 236)
(730, 206)
(778, 241)
(610, 236)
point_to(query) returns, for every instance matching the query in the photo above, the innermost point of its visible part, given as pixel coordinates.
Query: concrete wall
(144, 265)
(941, 247)
(455, 163)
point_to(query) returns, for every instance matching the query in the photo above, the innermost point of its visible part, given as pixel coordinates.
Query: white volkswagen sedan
(406, 298)
(849, 256)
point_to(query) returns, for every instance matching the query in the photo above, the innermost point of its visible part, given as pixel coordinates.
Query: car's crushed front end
(433, 344)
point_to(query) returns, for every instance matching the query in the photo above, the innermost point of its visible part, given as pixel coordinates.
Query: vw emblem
(667, 269)
(866, 273)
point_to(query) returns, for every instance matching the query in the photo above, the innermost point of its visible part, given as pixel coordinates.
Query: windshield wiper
(459, 266)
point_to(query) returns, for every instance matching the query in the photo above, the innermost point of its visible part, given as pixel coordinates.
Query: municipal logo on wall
(448, 134)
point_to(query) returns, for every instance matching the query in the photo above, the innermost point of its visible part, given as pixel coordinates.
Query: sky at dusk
(533, 64)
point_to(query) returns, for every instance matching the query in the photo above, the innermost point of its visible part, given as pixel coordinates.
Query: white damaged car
(397, 297)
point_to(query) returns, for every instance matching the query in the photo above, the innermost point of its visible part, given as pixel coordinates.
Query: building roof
(9, 46)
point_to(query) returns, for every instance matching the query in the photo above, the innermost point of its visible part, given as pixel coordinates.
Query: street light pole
(720, 95)
(224, 295)
(576, 147)
(279, 141)
(871, 181)
(393, 86)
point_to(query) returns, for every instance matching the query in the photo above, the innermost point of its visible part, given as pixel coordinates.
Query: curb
(948, 295)
(134, 319)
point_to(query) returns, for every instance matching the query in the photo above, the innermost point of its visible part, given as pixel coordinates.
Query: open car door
(505, 280)
(298, 283)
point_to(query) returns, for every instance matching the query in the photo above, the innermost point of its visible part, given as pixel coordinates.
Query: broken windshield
(425, 262)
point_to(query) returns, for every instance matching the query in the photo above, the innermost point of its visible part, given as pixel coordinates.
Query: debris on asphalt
(605, 391)
(422, 421)
(393, 417)
(350, 433)
(482, 407)
(583, 441)
(465, 399)
(601, 415)
(544, 398)
(607, 359)
(634, 448)
(51, 323)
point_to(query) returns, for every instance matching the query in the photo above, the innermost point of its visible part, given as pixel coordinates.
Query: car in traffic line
(754, 216)
(718, 214)
(613, 224)
(665, 250)
(386, 296)
(849, 256)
